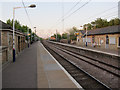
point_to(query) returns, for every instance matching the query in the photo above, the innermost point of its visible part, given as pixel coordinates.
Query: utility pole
(28, 37)
(56, 35)
(35, 31)
(13, 35)
(63, 14)
(86, 35)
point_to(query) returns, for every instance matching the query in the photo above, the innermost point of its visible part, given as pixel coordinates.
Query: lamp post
(86, 35)
(86, 27)
(31, 6)
(35, 30)
(35, 33)
(28, 36)
(94, 25)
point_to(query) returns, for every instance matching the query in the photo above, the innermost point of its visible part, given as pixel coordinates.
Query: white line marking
(70, 77)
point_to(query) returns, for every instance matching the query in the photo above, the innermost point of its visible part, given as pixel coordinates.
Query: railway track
(109, 68)
(108, 74)
(108, 60)
(100, 64)
(105, 63)
(87, 81)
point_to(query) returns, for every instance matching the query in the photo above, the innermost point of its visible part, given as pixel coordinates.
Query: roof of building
(100, 31)
(4, 25)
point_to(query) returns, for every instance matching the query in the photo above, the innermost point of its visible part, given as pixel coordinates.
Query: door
(119, 42)
(107, 41)
(18, 43)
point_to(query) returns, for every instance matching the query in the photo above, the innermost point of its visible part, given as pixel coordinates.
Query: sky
(48, 15)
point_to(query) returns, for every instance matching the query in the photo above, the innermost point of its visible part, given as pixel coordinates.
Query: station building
(105, 38)
(6, 41)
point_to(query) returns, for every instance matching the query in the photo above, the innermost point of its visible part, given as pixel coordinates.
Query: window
(112, 40)
(89, 40)
(101, 41)
(83, 39)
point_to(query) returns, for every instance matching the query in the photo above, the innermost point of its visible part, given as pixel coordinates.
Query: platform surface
(36, 68)
(94, 49)
(50, 73)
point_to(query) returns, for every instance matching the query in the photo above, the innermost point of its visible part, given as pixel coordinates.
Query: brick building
(106, 38)
(6, 41)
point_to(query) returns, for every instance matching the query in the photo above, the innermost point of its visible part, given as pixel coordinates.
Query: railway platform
(36, 68)
(107, 51)
(92, 49)
(50, 73)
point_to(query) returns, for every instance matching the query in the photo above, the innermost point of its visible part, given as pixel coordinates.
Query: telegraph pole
(86, 35)
(56, 35)
(63, 14)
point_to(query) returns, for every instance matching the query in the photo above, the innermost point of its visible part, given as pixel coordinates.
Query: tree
(58, 36)
(30, 31)
(71, 32)
(111, 22)
(116, 21)
(18, 26)
(33, 36)
(64, 35)
(99, 23)
(9, 22)
(105, 23)
(89, 26)
(22, 28)
(93, 25)
(74, 28)
(93, 22)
